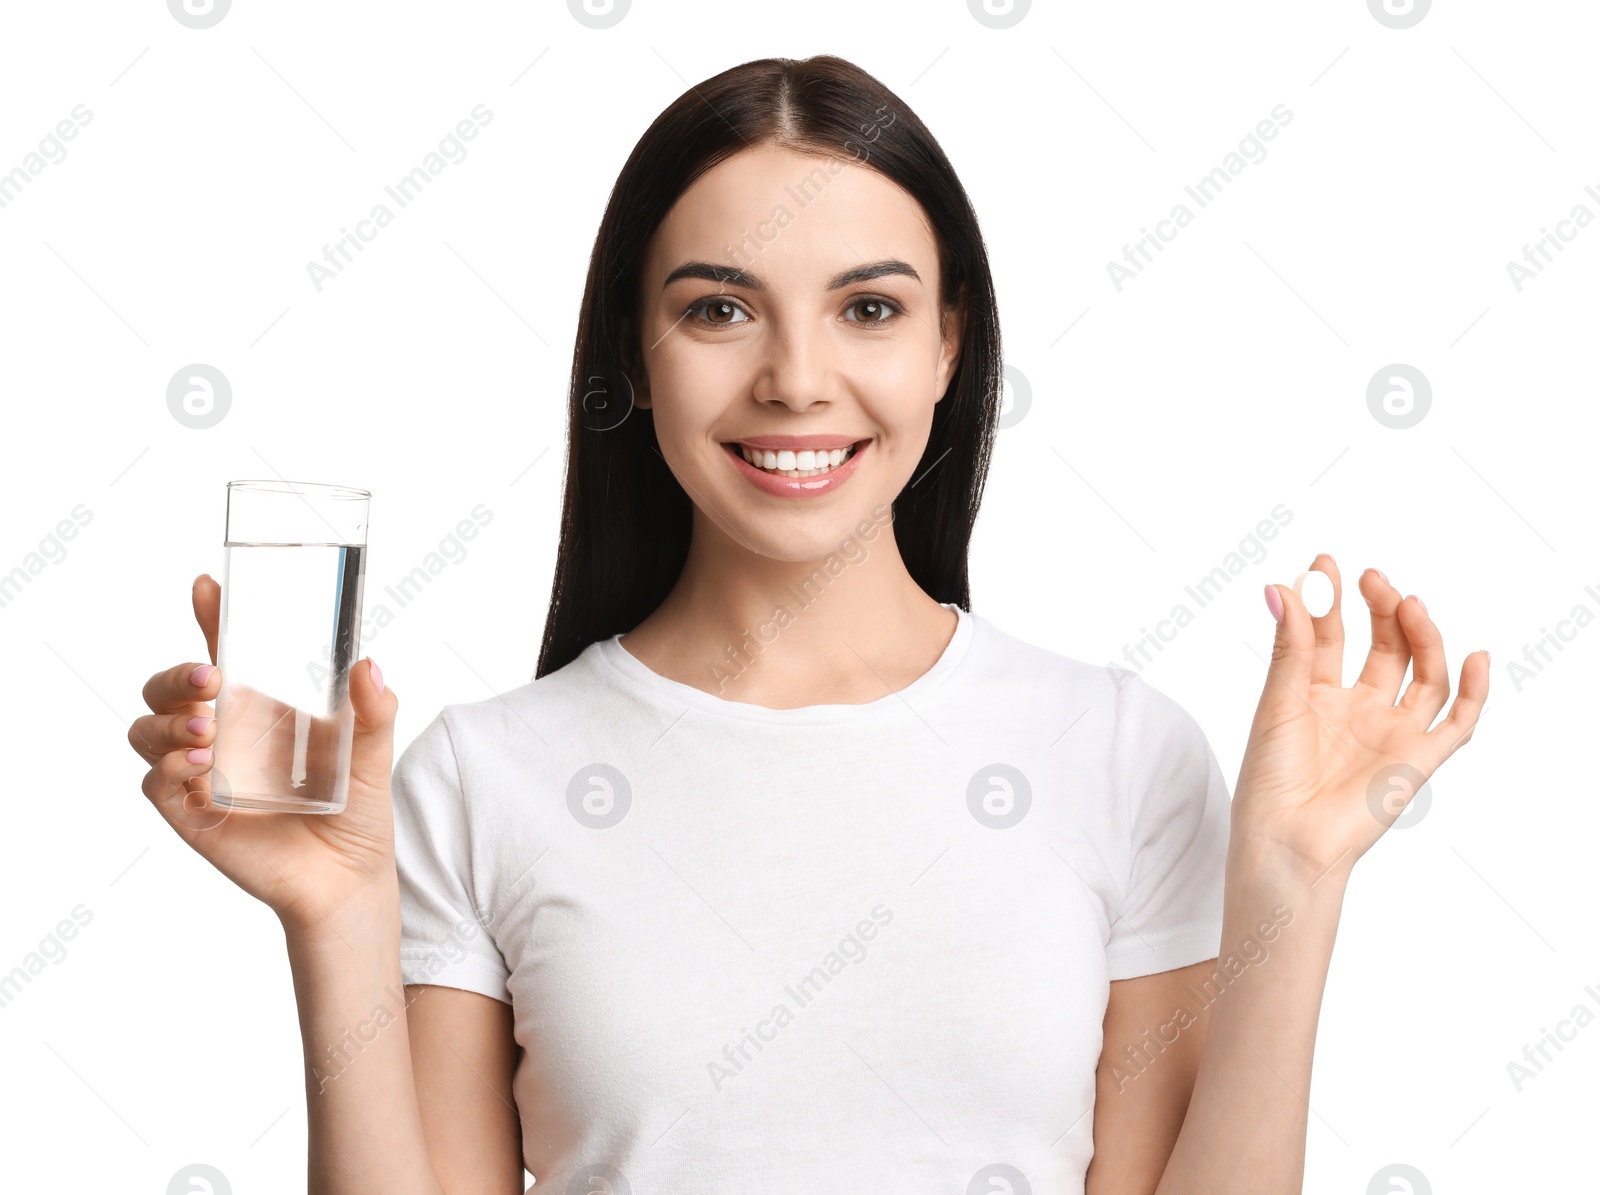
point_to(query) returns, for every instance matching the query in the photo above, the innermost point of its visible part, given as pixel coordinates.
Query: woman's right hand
(305, 867)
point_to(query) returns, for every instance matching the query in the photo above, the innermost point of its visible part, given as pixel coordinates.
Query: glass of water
(289, 630)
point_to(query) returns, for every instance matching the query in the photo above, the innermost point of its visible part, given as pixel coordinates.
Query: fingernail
(199, 724)
(201, 675)
(1382, 574)
(199, 755)
(1421, 603)
(1274, 603)
(377, 677)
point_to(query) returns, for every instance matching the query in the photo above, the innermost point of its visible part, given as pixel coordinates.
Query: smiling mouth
(804, 463)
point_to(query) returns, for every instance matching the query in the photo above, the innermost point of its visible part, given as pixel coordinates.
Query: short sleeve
(1177, 815)
(443, 940)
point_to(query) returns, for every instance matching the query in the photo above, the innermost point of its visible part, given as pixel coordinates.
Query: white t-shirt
(840, 947)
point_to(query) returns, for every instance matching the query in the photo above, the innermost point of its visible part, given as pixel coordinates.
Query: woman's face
(790, 305)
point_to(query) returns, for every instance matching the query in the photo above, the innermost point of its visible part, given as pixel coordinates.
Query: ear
(952, 327)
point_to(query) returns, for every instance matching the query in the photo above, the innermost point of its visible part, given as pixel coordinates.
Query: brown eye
(720, 312)
(876, 311)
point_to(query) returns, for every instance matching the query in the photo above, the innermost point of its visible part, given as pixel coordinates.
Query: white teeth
(807, 463)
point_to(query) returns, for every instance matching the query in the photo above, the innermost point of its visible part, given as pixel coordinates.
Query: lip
(795, 487)
(796, 443)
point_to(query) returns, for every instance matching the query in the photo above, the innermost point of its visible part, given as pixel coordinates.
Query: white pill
(1316, 591)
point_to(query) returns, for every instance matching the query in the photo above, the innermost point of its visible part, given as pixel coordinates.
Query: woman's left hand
(1328, 769)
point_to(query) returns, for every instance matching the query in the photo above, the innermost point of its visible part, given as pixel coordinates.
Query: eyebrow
(734, 276)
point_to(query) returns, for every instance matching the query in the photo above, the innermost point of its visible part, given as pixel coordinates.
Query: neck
(847, 628)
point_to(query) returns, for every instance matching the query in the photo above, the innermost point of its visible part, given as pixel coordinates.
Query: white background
(1230, 376)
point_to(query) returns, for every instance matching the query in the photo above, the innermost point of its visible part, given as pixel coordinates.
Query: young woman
(788, 872)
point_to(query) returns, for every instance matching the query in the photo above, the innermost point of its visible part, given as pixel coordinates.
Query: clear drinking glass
(290, 628)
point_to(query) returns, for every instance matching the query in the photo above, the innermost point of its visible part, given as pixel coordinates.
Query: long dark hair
(625, 520)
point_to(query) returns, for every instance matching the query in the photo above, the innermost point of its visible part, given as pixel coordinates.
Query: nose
(798, 369)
